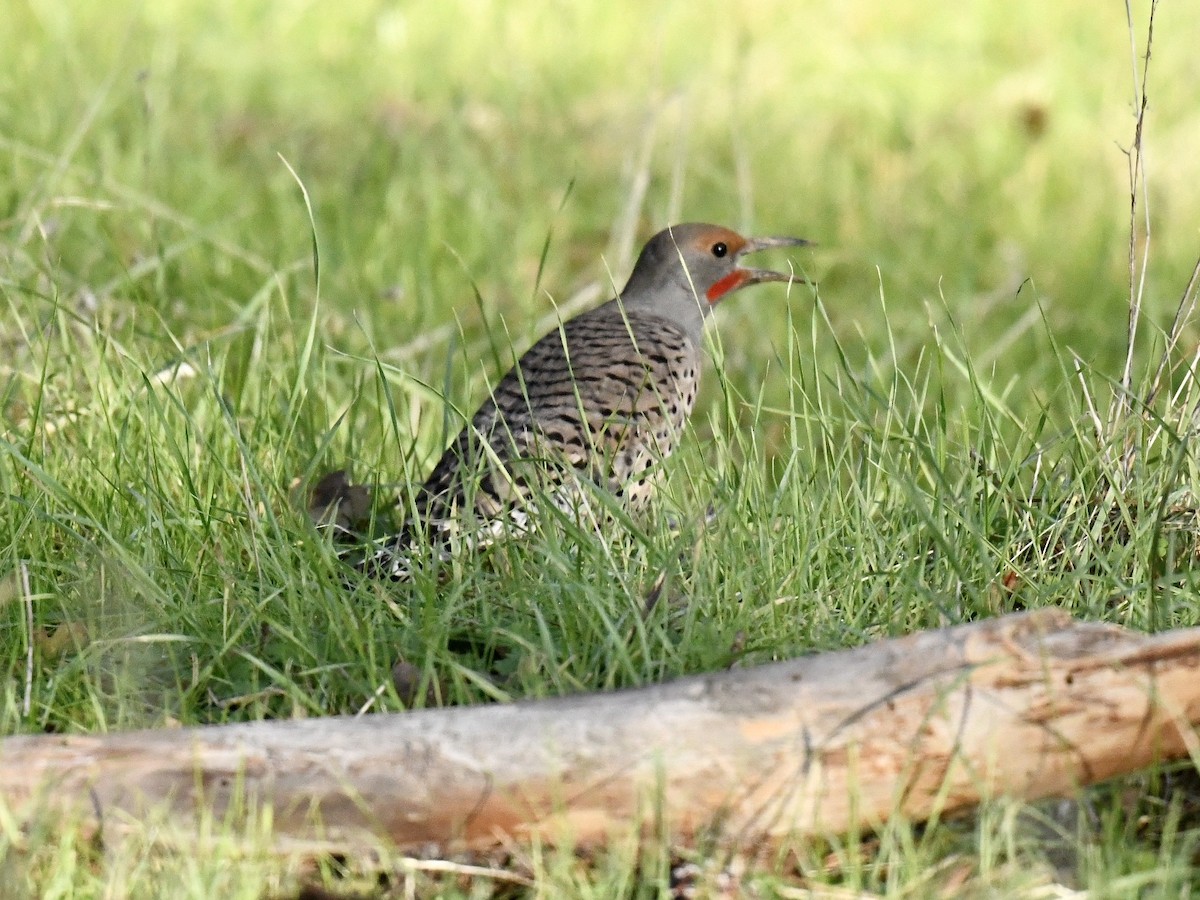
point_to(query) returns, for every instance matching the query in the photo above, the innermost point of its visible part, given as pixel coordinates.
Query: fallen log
(1029, 705)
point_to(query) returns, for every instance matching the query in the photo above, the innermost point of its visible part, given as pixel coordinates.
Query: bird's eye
(719, 249)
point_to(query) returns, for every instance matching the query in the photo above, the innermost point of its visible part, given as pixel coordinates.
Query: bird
(599, 401)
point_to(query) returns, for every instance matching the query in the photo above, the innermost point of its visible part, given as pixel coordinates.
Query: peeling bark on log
(1029, 705)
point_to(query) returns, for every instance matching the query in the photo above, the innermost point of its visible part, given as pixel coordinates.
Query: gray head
(684, 271)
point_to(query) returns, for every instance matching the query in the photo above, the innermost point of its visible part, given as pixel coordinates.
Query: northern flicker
(601, 399)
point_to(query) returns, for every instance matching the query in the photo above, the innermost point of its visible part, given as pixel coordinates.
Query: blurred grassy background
(942, 158)
(967, 166)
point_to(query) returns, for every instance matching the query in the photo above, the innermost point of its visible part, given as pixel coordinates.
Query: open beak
(740, 278)
(755, 276)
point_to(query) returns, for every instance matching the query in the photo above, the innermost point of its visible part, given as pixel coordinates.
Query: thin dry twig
(1137, 194)
(27, 596)
(447, 867)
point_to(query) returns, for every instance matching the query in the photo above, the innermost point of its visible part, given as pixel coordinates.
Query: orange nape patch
(730, 282)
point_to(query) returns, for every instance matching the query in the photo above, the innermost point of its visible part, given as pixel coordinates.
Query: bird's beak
(754, 276)
(740, 278)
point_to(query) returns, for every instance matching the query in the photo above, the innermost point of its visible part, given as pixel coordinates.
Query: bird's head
(684, 271)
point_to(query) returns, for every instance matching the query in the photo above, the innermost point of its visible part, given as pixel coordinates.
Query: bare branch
(1137, 193)
(1028, 705)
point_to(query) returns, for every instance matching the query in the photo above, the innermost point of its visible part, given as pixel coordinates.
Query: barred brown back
(603, 399)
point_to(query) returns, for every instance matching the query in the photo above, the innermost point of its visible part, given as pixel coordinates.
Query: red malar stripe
(733, 280)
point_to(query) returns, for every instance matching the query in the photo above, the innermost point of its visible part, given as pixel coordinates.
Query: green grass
(881, 452)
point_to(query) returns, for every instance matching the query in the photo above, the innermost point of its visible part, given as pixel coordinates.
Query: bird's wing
(587, 399)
